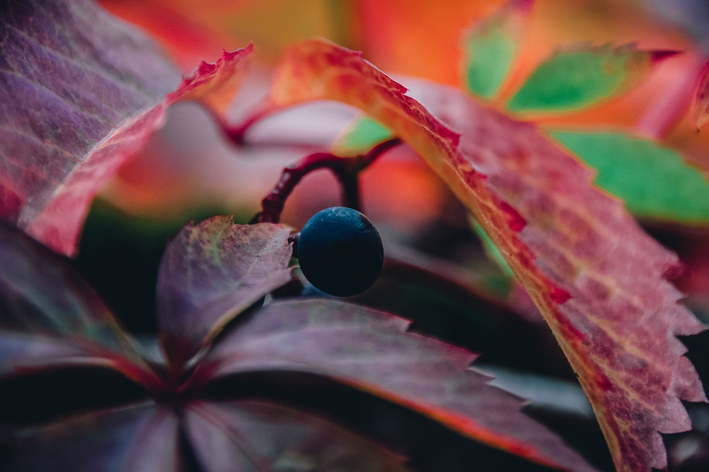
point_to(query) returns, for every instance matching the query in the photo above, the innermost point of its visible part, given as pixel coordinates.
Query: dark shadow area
(52, 394)
(119, 256)
(581, 433)
(443, 309)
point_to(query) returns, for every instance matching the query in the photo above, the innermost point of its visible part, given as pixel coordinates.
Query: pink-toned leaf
(213, 271)
(702, 101)
(370, 350)
(82, 92)
(596, 277)
(50, 317)
(252, 435)
(140, 438)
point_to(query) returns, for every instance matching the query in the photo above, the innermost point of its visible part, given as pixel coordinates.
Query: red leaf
(213, 271)
(140, 438)
(702, 101)
(51, 317)
(595, 276)
(82, 93)
(370, 350)
(247, 435)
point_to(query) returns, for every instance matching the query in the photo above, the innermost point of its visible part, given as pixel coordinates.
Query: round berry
(340, 252)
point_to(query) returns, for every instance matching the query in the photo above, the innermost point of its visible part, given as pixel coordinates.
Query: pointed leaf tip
(653, 181)
(661, 55)
(583, 76)
(213, 271)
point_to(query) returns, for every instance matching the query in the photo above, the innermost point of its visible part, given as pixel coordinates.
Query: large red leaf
(137, 438)
(596, 277)
(211, 272)
(50, 317)
(371, 351)
(250, 435)
(81, 93)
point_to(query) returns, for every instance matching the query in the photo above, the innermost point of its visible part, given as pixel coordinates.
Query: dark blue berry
(340, 252)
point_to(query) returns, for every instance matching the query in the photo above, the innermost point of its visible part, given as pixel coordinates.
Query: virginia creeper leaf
(491, 45)
(597, 278)
(574, 79)
(81, 93)
(213, 271)
(702, 101)
(653, 181)
(139, 438)
(370, 350)
(50, 317)
(248, 435)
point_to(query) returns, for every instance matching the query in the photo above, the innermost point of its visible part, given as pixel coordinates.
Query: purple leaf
(249, 435)
(49, 316)
(139, 438)
(210, 273)
(370, 350)
(71, 74)
(81, 93)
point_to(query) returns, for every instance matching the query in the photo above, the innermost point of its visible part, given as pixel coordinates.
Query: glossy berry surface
(340, 252)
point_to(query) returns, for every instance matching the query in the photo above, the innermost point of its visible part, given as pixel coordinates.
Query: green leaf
(360, 136)
(491, 46)
(491, 250)
(653, 181)
(571, 80)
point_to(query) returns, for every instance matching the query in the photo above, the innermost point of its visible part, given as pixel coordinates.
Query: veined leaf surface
(654, 182)
(211, 272)
(574, 79)
(254, 435)
(371, 351)
(82, 93)
(597, 278)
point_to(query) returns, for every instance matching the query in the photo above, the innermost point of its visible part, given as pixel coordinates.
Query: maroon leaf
(370, 350)
(213, 271)
(81, 93)
(248, 435)
(140, 438)
(49, 316)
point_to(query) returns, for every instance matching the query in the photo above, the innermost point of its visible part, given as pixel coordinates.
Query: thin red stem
(346, 169)
(236, 134)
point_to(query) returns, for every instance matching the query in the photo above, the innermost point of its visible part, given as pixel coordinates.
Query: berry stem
(346, 169)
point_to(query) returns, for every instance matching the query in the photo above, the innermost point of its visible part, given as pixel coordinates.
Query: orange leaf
(597, 278)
